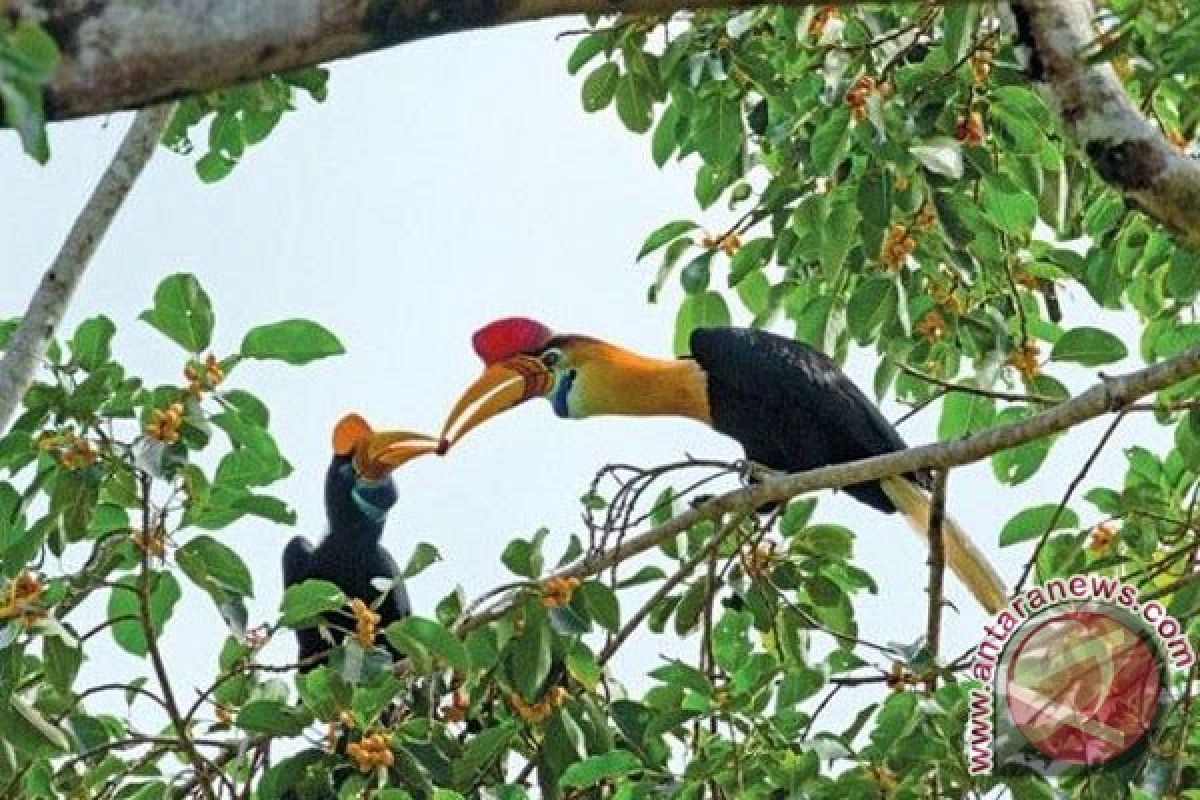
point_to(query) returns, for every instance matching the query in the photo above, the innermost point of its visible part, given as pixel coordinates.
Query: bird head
(580, 375)
(358, 484)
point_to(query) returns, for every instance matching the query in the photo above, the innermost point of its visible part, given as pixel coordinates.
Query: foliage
(28, 57)
(891, 182)
(888, 178)
(238, 118)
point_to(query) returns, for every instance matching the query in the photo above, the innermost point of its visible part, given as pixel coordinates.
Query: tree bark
(38, 325)
(1127, 150)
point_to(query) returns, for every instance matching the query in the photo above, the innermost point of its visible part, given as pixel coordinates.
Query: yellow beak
(502, 386)
(380, 453)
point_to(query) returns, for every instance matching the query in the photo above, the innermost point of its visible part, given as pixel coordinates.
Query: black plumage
(791, 407)
(350, 554)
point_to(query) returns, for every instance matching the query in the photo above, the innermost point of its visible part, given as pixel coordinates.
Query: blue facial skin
(562, 390)
(353, 503)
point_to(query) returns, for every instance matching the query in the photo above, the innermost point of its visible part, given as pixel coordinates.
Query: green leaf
(1090, 347)
(829, 140)
(424, 554)
(182, 311)
(600, 86)
(602, 604)
(588, 48)
(752, 256)
(663, 235)
(964, 414)
(206, 560)
(635, 106)
(214, 166)
(91, 344)
(598, 769)
(304, 601)
(1033, 522)
(294, 341)
(717, 128)
(531, 657)
(482, 753)
(1013, 209)
(582, 664)
(124, 610)
(273, 718)
(703, 310)
(434, 637)
(872, 305)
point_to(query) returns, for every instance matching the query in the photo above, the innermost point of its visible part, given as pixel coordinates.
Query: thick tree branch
(50, 300)
(1128, 151)
(1112, 394)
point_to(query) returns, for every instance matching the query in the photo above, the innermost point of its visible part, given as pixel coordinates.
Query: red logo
(1082, 687)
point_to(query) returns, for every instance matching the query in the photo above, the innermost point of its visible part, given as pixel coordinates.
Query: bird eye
(552, 358)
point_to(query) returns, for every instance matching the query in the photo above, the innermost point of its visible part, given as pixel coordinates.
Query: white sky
(444, 184)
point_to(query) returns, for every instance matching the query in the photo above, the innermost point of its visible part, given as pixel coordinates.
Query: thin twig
(937, 573)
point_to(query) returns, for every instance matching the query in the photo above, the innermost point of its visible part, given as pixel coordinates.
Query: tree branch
(1112, 394)
(52, 296)
(1127, 150)
(937, 574)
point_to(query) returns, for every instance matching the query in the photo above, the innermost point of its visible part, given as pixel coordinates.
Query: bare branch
(52, 296)
(937, 572)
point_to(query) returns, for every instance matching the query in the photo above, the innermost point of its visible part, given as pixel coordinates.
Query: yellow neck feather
(617, 381)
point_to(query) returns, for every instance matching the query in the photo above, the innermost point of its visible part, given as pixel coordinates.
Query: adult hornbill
(790, 407)
(359, 492)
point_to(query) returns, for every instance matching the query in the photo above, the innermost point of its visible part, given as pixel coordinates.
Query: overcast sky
(444, 184)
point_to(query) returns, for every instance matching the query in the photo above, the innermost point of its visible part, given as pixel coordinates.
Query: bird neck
(639, 386)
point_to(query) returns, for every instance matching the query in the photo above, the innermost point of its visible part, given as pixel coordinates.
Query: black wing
(791, 406)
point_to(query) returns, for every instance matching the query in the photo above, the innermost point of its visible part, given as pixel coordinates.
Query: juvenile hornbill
(359, 492)
(790, 407)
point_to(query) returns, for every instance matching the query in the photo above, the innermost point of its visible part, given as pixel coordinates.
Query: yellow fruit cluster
(540, 711)
(1025, 361)
(932, 326)
(969, 129)
(165, 423)
(73, 451)
(460, 703)
(366, 622)
(981, 65)
(21, 598)
(816, 28)
(729, 244)
(1102, 538)
(897, 247)
(856, 96)
(371, 752)
(557, 592)
(757, 560)
(153, 543)
(206, 380)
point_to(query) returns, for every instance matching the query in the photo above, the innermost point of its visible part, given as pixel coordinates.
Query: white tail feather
(964, 558)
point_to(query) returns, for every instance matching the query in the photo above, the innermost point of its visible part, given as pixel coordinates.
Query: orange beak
(503, 385)
(378, 453)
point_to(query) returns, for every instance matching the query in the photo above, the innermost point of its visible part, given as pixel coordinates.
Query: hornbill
(790, 406)
(358, 494)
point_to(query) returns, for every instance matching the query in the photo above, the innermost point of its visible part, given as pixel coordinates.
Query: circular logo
(1083, 687)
